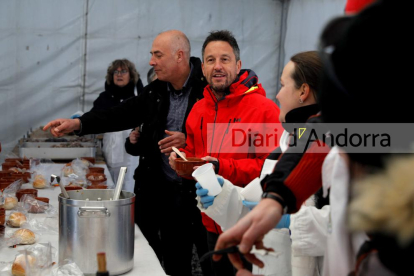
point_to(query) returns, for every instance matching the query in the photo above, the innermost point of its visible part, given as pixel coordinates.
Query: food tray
(49, 150)
(83, 139)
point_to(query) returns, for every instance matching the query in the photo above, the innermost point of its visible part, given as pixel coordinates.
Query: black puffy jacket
(149, 111)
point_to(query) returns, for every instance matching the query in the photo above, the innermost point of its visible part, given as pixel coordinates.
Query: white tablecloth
(145, 260)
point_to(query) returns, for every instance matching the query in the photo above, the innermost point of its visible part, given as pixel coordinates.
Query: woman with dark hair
(299, 83)
(122, 83)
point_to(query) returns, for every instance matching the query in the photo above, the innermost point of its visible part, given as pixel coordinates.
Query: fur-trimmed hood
(384, 202)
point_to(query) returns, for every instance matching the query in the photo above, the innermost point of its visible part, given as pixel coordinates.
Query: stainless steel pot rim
(94, 204)
(80, 196)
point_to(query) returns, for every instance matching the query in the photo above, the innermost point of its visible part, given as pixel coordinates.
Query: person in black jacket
(165, 206)
(358, 87)
(122, 82)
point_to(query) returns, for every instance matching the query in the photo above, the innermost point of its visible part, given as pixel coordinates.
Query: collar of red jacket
(245, 83)
(355, 6)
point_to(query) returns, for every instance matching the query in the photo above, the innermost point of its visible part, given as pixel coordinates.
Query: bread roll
(67, 171)
(25, 236)
(86, 163)
(19, 264)
(10, 203)
(16, 219)
(39, 182)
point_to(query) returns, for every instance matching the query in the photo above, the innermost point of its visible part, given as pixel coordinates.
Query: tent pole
(84, 57)
(282, 54)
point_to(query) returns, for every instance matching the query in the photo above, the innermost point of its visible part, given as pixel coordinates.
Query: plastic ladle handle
(62, 188)
(119, 183)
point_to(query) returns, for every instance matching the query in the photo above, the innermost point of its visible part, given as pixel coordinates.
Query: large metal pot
(89, 222)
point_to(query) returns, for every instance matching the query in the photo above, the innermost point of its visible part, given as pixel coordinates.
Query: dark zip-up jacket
(114, 95)
(149, 111)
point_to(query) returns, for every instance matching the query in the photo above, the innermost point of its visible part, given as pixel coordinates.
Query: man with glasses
(165, 208)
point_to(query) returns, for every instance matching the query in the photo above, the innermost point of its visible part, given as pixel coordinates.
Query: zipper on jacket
(215, 226)
(214, 127)
(222, 139)
(201, 131)
(250, 147)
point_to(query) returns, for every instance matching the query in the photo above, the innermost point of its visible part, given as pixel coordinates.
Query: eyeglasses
(332, 33)
(123, 72)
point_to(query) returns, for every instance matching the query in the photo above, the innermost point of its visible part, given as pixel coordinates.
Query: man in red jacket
(234, 103)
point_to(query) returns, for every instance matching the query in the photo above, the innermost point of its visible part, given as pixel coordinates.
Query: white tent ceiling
(54, 53)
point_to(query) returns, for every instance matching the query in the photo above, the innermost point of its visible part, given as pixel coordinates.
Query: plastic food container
(185, 168)
(22, 192)
(2, 216)
(96, 170)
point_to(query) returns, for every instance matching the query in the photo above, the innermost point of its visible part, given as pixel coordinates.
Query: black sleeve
(140, 87)
(124, 116)
(132, 149)
(275, 182)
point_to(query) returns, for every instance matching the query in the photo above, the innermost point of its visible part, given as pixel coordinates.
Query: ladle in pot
(64, 192)
(119, 183)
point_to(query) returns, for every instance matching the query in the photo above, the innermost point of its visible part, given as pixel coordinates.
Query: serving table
(145, 260)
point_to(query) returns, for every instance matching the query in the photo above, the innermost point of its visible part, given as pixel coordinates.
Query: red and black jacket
(298, 173)
(209, 132)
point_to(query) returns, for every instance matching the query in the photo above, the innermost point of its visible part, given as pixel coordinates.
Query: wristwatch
(216, 166)
(278, 199)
